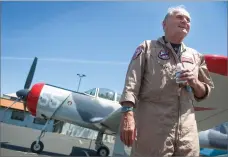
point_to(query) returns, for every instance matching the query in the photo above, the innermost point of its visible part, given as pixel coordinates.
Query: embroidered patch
(138, 51)
(187, 59)
(163, 55)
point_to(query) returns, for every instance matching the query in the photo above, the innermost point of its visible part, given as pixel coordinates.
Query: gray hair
(172, 10)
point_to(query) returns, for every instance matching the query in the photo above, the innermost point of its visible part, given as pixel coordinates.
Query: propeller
(23, 93)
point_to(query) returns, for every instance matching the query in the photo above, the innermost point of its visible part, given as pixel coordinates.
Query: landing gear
(102, 150)
(38, 146)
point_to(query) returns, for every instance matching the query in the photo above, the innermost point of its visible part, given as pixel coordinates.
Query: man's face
(177, 24)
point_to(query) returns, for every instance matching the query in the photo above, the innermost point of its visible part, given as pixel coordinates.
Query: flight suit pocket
(190, 64)
(188, 61)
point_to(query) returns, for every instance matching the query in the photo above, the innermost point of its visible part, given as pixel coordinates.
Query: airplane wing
(112, 121)
(214, 110)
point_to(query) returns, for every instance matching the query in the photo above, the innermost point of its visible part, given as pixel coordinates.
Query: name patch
(187, 59)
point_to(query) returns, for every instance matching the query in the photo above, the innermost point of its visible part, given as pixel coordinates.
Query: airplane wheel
(103, 151)
(37, 148)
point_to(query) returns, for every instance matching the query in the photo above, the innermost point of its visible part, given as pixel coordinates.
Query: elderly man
(158, 108)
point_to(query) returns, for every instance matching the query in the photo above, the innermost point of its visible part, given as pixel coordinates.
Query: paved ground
(16, 141)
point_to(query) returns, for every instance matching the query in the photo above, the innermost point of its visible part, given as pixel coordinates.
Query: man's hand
(127, 128)
(187, 75)
(192, 80)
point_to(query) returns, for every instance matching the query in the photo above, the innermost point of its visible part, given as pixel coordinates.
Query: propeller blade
(31, 74)
(17, 100)
(24, 108)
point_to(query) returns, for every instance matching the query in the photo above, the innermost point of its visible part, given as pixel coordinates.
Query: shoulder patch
(138, 51)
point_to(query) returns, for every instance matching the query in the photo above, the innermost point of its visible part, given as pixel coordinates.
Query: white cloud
(68, 60)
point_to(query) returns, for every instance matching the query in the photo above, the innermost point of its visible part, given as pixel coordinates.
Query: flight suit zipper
(177, 60)
(178, 127)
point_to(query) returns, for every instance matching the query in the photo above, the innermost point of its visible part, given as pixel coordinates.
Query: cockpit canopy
(104, 93)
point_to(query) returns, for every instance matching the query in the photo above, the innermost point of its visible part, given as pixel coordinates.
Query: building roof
(7, 102)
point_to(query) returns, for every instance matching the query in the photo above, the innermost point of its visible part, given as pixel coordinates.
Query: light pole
(80, 77)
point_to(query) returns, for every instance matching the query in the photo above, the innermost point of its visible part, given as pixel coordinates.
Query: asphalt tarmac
(16, 141)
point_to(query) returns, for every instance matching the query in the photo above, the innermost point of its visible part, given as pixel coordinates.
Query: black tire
(103, 151)
(37, 148)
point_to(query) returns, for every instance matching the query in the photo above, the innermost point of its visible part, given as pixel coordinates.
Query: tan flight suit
(164, 111)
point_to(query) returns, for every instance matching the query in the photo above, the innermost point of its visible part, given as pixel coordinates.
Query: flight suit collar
(169, 46)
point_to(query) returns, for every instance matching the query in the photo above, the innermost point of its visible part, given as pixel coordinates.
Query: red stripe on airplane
(217, 64)
(203, 108)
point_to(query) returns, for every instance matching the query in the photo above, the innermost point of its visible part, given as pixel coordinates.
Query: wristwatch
(126, 109)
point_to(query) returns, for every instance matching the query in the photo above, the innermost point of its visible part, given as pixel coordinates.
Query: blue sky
(94, 38)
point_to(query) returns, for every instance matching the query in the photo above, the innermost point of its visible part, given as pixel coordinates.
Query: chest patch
(163, 55)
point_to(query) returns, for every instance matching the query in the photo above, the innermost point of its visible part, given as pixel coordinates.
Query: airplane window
(91, 91)
(17, 115)
(106, 94)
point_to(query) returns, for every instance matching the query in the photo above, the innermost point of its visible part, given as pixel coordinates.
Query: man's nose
(184, 20)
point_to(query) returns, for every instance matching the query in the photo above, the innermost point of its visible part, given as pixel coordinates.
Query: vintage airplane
(98, 108)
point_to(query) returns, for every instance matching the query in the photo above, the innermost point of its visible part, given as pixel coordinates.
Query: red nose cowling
(33, 97)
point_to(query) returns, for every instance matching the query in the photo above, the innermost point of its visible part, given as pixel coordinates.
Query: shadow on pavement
(76, 151)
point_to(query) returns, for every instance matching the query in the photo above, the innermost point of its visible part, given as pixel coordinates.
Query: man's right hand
(127, 128)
